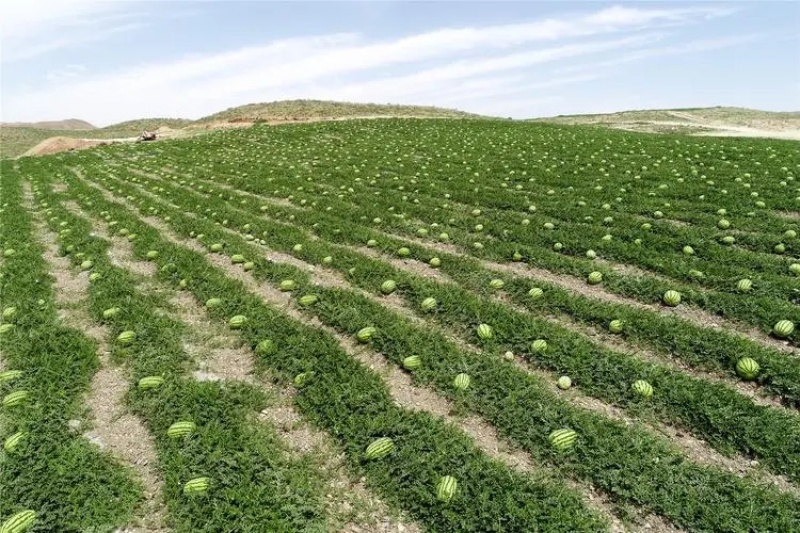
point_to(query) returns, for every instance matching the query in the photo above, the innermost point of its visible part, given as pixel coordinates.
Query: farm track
(695, 448)
(110, 425)
(404, 392)
(778, 482)
(218, 355)
(692, 314)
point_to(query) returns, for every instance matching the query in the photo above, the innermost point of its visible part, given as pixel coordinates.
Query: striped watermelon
(181, 429)
(297, 248)
(672, 298)
(744, 285)
(536, 293)
(539, 346)
(13, 442)
(6, 328)
(197, 485)
(288, 285)
(265, 347)
(412, 362)
(10, 375)
(379, 448)
(9, 313)
(152, 254)
(150, 382)
(446, 488)
(213, 302)
(237, 322)
(327, 260)
(111, 312)
(594, 278)
(87, 265)
(429, 304)
(216, 247)
(126, 337)
(564, 382)
(485, 332)
(435, 262)
(19, 522)
(783, 328)
(642, 388)
(496, 284)
(462, 381)
(616, 326)
(302, 379)
(237, 259)
(365, 334)
(563, 439)
(403, 252)
(388, 286)
(94, 276)
(308, 299)
(747, 368)
(15, 398)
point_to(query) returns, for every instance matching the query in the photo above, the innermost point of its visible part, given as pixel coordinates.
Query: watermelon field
(402, 325)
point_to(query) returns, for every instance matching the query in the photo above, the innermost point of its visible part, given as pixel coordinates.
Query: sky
(106, 61)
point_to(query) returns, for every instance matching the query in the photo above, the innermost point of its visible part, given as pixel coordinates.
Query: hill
(70, 124)
(289, 110)
(719, 121)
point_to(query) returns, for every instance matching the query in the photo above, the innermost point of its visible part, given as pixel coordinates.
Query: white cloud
(472, 64)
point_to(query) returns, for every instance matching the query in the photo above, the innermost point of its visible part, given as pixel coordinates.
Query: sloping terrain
(69, 124)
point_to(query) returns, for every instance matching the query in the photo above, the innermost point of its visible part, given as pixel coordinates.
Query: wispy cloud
(448, 66)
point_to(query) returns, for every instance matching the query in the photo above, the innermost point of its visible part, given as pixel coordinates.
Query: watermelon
(152, 254)
(297, 248)
(19, 522)
(288, 285)
(237, 259)
(462, 381)
(302, 379)
(616, 326)
(10, 375)
(169, 268)
(87, 265)
(14, 441)
(595, 278)
(435, 262)
(388, 286)
(794, 268)
(496, 284)
(564, 382)
(403, 252)
(181, 429)
(539, 346)
(15, 398)
(517, 257)
(744, 285)
(213, 302)
(672, 298)
(197, 485)
(536, 293)
(728, 239)
(237, 322)
(327, 260)
(379, 448)
(563, 439)
(9, 313)
(126, 338)
(446, 488)
(216, 247)
(9, 252)
(248, 266)
(94, 276)
(365, 334)
(747, 368)
(265, 347)
(428, 304)
(111, 312)
(642, 388)
(412, 362)
(372, 243)
(150, 382)
(783, 328)
(308, 299)
(485, 332)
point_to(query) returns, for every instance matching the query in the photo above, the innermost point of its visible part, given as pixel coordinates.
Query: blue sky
(107, 61)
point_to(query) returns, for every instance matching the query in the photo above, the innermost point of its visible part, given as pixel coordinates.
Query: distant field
(403, 325)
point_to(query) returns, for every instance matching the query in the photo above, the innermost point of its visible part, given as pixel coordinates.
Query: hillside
(70, 124)
(719, 121)
(322, 109)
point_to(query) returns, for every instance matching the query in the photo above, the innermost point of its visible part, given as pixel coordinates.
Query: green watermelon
(672, 298)
(181, 429)
(485, 332)
(412, 362)
(237, 259)
(429, 304)
(265, 347)
(111, 312)
(747, 368)
(462, 381)
(642, 388)
(197, 485)
(248, 266)
(563, 439)
(126, 338)
(595, 278)
(539, 346)
(783, 328)
(403, 252)
(388, 286)
(150, 382)
(616, 326)
(15, 398)
(564, 382)
(237, 322)
(9, 313)
(152, 254)
(379, 448)
(302, 379)
(14, 441)
(536, 293)
(216, 247)
(10, 375)
(288, 285)
(365, 334)
(308, 299)
(446, 488)
(213, 302)
(496, 284)
(435, 262)
(19, 523)
(744, 285)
